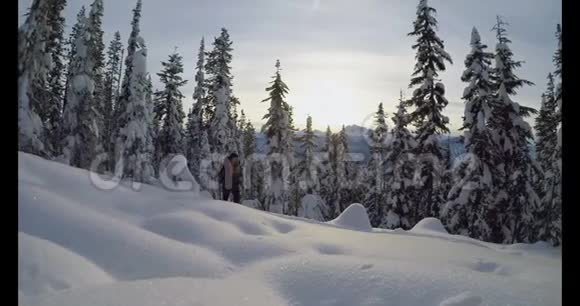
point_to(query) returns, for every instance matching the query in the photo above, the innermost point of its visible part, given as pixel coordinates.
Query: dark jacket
(236, 179)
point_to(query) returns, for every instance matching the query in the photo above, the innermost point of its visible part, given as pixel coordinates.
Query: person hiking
(230, 178)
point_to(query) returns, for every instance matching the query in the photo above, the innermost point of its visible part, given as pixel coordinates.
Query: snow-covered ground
(79, 245)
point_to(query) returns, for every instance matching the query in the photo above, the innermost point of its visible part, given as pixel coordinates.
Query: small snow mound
(464, 299)
(282, 227)
(354, 217)
(429, 225)
(44, 267)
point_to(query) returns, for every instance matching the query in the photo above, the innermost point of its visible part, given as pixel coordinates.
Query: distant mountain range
(358, 143)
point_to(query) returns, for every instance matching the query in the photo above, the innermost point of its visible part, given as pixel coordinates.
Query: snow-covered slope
(79, 245)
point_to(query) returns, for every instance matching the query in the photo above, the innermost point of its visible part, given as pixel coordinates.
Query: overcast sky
(340, 58)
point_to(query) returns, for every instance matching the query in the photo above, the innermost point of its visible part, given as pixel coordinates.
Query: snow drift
(79, 245)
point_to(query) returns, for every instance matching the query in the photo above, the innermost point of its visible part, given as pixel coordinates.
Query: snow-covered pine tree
(351, 191)
(549, 218)
(132, 123)
(253, 167)
(305, 172)
(79, 127)
(111, 86)
(280, 147)
(556, 228)
(155, 128)
(152, 126)
(233, 110)
(470, 204)
(70, 43)
(125, 92)
(558, 73)
(399, 173)
(51, 114)
(306, 168)
(240, 126)
(195, 124)
(341, 184)
(97, 49)
(326, 177)
(33, 67)
(204, 155)
(429, 101)
(517, 198)
(375, 198)
(168, 107)
(221, 128)
(219, 82)
(243, 120)
(134, 144)
(547, 127)
(249, 139)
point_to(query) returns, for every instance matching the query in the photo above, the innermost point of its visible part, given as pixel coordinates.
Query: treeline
(79, 106)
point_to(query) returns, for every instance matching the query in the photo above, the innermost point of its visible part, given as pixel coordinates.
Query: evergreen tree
(33, 67)
(152, 126)
(326, 177)
(97, 49)
(133, 144)
(70, 44)
(204, 155)
(168, 106)
(399, 173)
(549, 218)
(470, 204)
(341, 184)
(221, 126)
(195, 124)
(249, 139)
(52, 102)
(517, 198)
(111, 86)
(255, 186)
(429, 101)
(305, 176)
(375, 198)
(306, 168)
(242, 122)
(546, 127)
(556, 228)
(280, 150)
(253, 178)
(351, 189)
(79, 129)
(125, 92)
(240, 126)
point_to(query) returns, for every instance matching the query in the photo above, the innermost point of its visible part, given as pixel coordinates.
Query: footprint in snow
(366, 267)
(329, 249)
(282, 227)
(489, 267)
